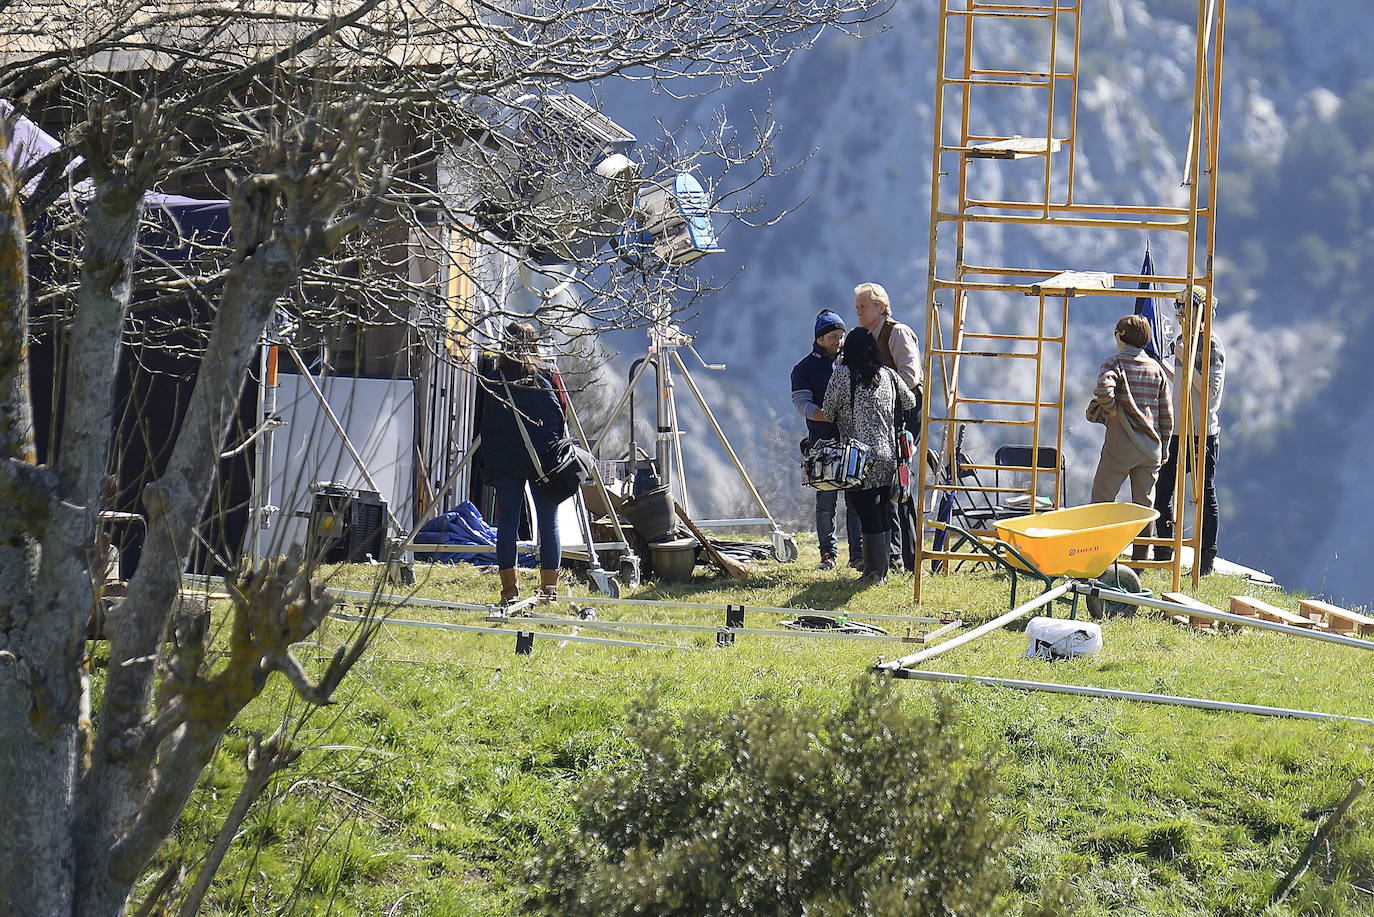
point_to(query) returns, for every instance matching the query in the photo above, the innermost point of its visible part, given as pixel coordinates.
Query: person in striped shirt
(1133, 401)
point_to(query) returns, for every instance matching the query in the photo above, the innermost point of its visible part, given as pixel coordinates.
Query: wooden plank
(1205, 624)
(1073, 283)
(1244, 604)
(732, 569)
(1341, 620)
(1015, 148)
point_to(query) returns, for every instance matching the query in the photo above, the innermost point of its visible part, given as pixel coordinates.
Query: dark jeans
(901, 530)
(510, 507)
(871, 505)
(1164, 495)
(826, 503)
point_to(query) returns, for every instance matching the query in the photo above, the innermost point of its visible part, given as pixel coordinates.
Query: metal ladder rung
(1028, 7)
(1028, 84)
(1034, 75)
(984, 420)
(1015, 404)
(985, 353)
(1025, 12)
(1169, 226)
(989, 336)
(969, 557)
(1011, 469)
(962, 488)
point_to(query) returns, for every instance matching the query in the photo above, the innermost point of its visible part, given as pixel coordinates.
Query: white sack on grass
(1060, 638)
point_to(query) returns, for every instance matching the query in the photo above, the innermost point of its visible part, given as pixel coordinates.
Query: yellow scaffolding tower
(961, 330)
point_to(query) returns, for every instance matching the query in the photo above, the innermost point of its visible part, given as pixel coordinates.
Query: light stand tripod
(665, 340)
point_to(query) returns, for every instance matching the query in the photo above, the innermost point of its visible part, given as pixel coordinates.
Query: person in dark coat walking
(809, 378)
(521, 391)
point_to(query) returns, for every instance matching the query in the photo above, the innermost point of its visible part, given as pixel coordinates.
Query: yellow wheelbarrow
(1081, 542)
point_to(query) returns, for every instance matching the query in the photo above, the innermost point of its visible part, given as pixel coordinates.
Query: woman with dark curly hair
(864, 399)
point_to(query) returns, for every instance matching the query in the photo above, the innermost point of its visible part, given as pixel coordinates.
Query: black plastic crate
(345, 525)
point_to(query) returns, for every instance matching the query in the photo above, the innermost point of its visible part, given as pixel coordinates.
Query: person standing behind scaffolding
(1216, 382)
(1132, 399)
(520, 391)
(809, 379)
(900, 351)
(866, 400)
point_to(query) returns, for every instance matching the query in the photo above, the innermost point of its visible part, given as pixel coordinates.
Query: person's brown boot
(548, 586)
(510, 586)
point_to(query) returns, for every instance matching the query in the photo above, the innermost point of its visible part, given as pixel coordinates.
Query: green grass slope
(428, 787)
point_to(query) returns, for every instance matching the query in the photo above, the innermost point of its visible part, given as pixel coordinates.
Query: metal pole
(605, 600)
(338, 428)
(1111, 694)
(1199, 480)
(673, 435)
(1073, 106)
(475, 629)
(771, 609)
(620, 405)
(600, 482)
(1132, 598)
(267, 404)
(999, 621)
(802, 633)
(422, 518)
(711, 418)
(1204, 41)
(1053, 86)
(932, 255)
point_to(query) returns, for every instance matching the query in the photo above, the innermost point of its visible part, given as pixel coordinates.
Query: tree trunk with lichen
(85, 806)
(40, 679)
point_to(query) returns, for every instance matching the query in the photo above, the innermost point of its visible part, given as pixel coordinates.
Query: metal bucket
(673, 560)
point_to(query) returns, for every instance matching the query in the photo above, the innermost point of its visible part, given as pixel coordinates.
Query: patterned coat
(871, 419)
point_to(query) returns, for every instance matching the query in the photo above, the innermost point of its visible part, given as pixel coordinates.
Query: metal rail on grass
(710, 629)
(997, 622)
(511, 612)
(775, 609)
(1132, 598)
(604, 600)
(1112, 694)
(476, 629)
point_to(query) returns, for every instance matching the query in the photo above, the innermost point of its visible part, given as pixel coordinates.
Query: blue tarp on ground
(461, 525)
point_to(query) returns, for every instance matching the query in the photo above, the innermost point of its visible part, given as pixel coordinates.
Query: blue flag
(1145, 305)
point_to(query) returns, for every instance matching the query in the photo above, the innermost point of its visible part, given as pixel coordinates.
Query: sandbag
(1060, 638)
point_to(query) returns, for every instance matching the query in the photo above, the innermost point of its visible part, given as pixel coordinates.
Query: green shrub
(868, 809)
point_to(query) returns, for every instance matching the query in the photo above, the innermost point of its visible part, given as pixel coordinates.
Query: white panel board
(379, 418)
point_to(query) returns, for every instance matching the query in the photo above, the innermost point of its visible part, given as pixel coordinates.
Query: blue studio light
(674, 222)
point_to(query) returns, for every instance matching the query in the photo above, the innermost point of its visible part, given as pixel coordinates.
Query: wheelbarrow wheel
(1121, 578)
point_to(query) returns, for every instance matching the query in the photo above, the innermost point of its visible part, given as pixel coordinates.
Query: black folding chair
(1016, 461)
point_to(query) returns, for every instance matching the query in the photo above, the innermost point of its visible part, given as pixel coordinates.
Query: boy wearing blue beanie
(809, 380)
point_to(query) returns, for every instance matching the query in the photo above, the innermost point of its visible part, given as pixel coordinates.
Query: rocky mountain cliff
(1296, 221)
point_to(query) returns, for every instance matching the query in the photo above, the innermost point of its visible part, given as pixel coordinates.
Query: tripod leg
(624, 400)
(671, 438)
(734, 459)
